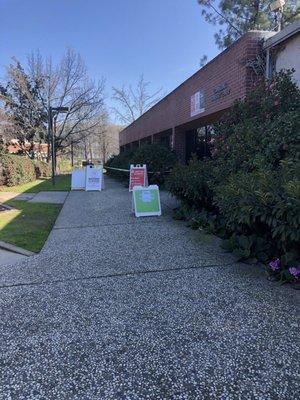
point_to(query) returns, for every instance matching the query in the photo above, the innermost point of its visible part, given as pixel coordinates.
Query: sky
(118, 39)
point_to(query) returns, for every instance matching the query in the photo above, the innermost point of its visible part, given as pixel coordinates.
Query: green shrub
(42, 169)
(190, 184)
(17, 169)
(265, 205)
(122, 161)
(159, 160)
(250, 190)
(250, 247)
(261, 131)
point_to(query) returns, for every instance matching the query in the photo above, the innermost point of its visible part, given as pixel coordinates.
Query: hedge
(42, 169)
(249, 191)
(158, 158)
(16, 169)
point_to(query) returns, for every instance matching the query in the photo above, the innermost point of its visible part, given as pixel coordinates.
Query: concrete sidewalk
(5, 196)
(54, 197)
(11, 254)
(9, 257)
(116, 307)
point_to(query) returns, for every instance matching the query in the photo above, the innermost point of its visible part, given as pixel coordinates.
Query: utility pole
(54, 134)
(49, 136)
(72, 154)
(52, 140)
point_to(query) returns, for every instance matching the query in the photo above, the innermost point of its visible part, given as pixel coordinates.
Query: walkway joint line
(130, 273)
(112, 224)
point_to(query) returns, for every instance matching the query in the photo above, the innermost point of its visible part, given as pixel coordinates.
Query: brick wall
(173, 111)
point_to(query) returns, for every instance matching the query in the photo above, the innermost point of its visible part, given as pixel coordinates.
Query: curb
(16, 249)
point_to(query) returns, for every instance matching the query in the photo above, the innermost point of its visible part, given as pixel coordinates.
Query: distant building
(182, 120)
(39, 150)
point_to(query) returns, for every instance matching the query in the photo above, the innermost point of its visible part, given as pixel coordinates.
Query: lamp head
(60, 109)
(277, 5)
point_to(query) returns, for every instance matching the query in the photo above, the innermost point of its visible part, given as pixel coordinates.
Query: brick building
(182, 119)
(39, 150)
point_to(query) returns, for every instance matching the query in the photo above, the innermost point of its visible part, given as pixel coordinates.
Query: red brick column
(179, 144)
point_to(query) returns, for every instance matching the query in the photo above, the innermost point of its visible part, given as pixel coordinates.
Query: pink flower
(294, 271)
(275, 264)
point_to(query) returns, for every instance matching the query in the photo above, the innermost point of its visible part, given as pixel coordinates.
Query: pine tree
(236, 17)
(23, 106)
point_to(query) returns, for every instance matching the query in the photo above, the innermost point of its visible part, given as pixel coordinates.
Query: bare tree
(67, 84)
(103, 142)
(89, 141)
(108, 143)
(132, 103)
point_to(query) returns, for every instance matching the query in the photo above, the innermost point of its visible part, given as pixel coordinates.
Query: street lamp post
(72, 153)
(51, 112)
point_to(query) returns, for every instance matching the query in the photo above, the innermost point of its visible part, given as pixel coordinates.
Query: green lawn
(29, 225)
(62, 183)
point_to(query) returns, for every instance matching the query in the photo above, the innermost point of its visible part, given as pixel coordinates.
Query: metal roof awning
(283, 35)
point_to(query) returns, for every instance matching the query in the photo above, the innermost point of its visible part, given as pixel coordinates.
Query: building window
(197, 103)
(165, 140)
(146, 140)
(136, 144)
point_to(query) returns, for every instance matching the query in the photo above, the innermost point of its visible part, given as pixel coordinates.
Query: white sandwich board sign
(78, 179)
(100, 166)
(93, 178)
(146, 201)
